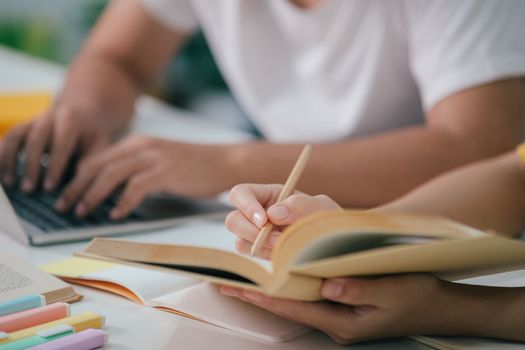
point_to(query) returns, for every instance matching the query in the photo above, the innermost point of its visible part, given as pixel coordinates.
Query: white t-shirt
(349, 68)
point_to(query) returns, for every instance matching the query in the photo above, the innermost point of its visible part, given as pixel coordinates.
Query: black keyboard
(38, 209)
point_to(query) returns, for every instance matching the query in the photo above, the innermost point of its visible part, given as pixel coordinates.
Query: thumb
(297, 206)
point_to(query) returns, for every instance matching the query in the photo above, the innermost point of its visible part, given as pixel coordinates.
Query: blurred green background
(55, 30)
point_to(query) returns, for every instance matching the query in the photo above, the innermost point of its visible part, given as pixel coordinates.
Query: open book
(177, 294)
(325, 245)
(19, 278)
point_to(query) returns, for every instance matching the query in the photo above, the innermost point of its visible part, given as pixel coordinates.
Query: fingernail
(115, 214)
(252, 296)
(8, 180)
(49, 184)
(80, 209)
(278, 212)
(258, 218)
(27, 185)
(332, 289)
(60, 204)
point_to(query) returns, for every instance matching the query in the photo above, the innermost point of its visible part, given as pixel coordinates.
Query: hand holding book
(366, 308)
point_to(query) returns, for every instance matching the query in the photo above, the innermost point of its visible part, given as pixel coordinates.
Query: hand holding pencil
(259, 205)
(287, 190)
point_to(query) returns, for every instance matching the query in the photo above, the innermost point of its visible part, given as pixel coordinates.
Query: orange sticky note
(17, 108)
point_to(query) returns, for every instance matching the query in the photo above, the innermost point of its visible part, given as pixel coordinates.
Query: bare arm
(474, 124)
(488, 194)
(122, 55)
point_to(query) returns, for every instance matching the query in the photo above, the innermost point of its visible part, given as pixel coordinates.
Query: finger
(65, 139)
(86, 172)
(239, 225)
(94, 147)
(230, 291)
(352, 291)
(250, 199)
(245, 247)
(337, 320)
(9, 153)
(298, 206)
(123, 149)
(35, 145)
(109, 178)
(140, 185)
(84, 175)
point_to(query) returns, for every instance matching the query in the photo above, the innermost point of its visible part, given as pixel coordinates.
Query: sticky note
(76, 267)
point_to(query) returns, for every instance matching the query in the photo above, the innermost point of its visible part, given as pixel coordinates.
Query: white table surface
(131, 326)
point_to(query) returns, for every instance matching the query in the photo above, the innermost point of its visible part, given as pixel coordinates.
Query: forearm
(99, 88)
(363, 172)
(117, 62)
(494, 312)
(488, 195)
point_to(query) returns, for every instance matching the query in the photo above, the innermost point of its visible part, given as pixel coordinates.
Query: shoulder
(456, 45)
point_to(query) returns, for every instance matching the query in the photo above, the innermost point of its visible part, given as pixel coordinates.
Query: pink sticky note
(33, 317)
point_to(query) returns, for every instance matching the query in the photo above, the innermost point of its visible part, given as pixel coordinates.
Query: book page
(462, 343)
(206, 303)
(514, 278)
(147, 284)
(346, 243)
(144, 284)
(12, 280)
(20, 278)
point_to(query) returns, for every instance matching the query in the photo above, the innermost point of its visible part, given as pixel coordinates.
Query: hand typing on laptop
(37, 221)
(65, 131)
(143, 166)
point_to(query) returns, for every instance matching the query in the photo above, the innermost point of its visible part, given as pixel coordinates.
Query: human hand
(256, 205)
(146, 165)
(61, 131)
(362, 309)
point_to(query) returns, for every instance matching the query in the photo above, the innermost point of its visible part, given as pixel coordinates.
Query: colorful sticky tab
(51, 332)
(32, 317)
(20, 304)
(85, 340)
(41, 337)
(79, 322)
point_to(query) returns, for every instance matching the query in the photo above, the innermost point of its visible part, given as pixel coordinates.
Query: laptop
(31, 219)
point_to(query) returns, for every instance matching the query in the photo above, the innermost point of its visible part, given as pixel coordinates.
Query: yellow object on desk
(521, 151)
(18, 108)
(79, 322)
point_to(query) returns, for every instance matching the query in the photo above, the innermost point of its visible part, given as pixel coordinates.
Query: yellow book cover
(326, 245)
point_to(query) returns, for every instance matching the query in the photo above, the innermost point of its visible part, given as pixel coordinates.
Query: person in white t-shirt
(391, 92)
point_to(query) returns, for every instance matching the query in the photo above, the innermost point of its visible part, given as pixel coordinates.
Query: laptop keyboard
(38, 209)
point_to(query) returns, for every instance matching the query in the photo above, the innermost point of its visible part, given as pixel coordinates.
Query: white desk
(132, 326)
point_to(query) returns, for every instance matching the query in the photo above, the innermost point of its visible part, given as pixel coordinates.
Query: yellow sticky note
(18, 108)
(76, 267)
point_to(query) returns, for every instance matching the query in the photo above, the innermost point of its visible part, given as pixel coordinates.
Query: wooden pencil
(287, 190)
